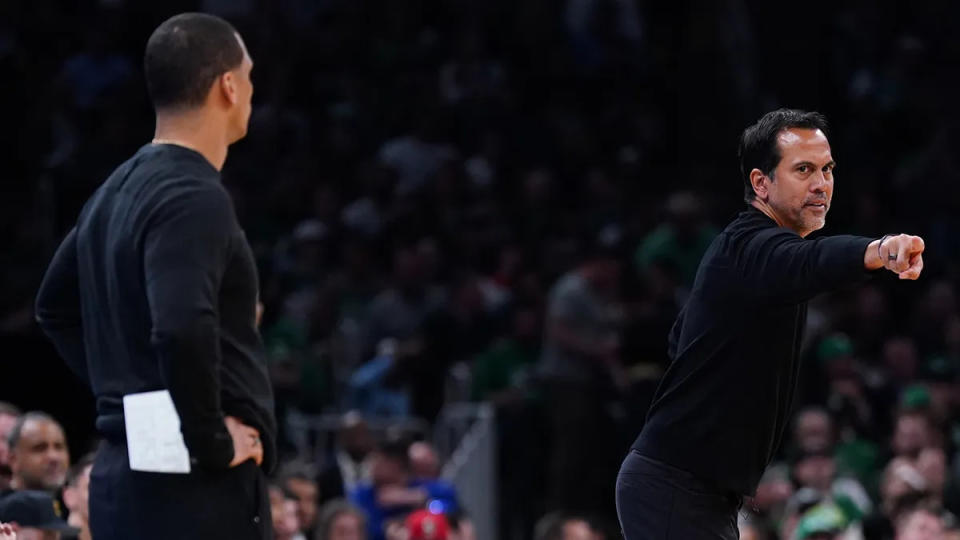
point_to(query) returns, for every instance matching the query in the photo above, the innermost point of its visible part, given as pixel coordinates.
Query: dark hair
(330, 511)
(14, 438)
(758, 144)
(185, 55)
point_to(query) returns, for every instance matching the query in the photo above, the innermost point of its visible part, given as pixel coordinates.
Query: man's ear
(228, 86)
(760, 183)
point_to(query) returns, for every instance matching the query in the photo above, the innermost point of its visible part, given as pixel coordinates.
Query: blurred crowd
(506, 202)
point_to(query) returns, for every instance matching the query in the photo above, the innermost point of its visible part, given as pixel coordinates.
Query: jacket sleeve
(781, 267)
(58, 307)
(186, 248)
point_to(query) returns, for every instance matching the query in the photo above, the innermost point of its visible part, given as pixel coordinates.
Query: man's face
(306, 492)
(801, 187)
(6, 425)
(40, 459)
(346, 526)
(244, 94)
(911, 435)
(814, 431)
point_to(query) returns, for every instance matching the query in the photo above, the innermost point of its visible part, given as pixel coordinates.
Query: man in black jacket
(721, 408)
(156, 289)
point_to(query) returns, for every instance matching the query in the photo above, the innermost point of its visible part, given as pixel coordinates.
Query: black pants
(125, 504)
(658, 502)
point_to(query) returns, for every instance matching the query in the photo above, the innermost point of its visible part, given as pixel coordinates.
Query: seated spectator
(283, 509)
(340, 520)
(8, 418)
(394, 491)
(34, 515)
(817, 470)
(350, 464)
(38, 453)
(76, 496)
(299, 479)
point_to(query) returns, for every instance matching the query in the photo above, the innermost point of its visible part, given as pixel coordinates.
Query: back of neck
(194, 131)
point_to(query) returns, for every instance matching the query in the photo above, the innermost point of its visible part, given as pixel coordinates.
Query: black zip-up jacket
(722, 406)
(156, 288)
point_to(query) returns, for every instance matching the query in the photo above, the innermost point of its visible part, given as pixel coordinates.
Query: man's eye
(803, 168)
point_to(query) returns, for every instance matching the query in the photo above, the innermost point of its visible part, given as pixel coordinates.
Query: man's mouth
(817, 204)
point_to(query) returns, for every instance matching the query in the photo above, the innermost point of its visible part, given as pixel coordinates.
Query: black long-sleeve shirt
(156, 288)
(723, 404)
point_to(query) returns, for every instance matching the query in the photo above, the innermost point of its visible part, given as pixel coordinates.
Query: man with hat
(425, 525)
(34, 515)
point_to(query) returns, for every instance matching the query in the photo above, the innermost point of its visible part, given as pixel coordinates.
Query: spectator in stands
(424, 461)
(8, 418)
(351, 463)
(393, 490)
(283, 510)
(340, 520)
(913, 431)
(76, 496)
(920, 523)
(681, 240)
(300, 480)
(579, 364)
(39, 457)
(34, 515)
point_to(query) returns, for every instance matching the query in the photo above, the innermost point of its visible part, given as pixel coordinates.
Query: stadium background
(470, 147)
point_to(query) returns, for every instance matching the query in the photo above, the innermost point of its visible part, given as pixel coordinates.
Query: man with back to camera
(721, 408)
(156, 289)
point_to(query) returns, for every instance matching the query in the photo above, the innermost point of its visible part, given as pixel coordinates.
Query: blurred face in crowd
(911, 435)
(816, 471)
(424, 461)
(7, 422)
(347, 526)
(77, 495)
(464, 531)
(921, 525)
(814, 431)
(932, 464)
(356, 440)
(40, 459)
(577, 530)
(307, 494)
(284, 514)
(800, 189)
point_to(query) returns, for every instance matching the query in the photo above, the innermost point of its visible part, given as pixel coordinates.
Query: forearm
(188, 364)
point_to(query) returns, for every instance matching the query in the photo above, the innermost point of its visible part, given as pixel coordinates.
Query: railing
(466, 432)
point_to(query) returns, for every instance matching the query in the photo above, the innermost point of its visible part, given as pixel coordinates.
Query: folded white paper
(154, 441)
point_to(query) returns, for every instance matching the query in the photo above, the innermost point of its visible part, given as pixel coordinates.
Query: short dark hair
(14, 438)
(185, 55)
(758, 144)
